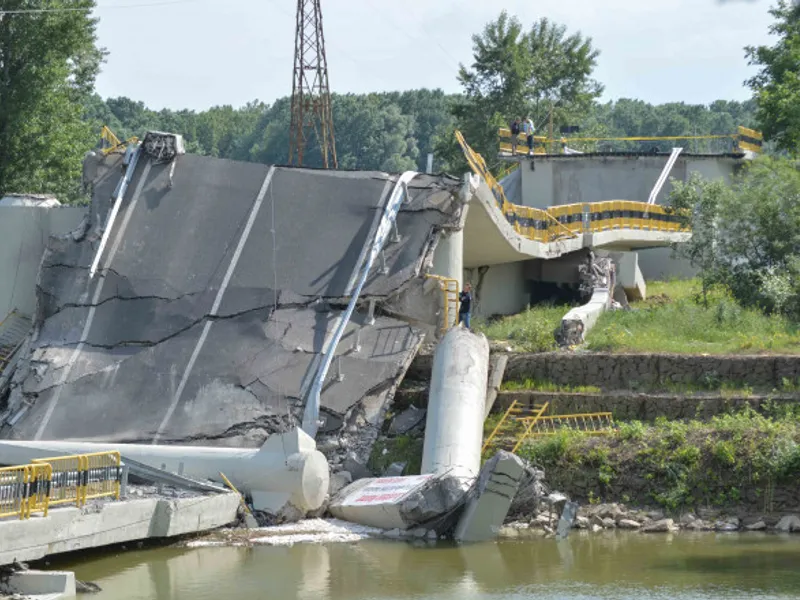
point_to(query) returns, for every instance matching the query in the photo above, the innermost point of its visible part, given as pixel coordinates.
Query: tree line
(393, 131)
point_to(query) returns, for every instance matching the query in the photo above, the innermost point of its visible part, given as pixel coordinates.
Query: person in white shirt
(529, 130)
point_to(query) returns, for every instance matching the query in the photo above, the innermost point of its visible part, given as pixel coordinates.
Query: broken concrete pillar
(456, 405)
(397, 502)
(448, 258)
(487, 509)
(287, 473)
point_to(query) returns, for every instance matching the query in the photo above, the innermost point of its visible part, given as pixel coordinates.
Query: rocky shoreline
(614, 516)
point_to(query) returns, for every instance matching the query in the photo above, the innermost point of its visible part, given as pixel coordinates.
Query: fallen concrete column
(578, 321)
(488, 506)
(287, 475)
(456, 405)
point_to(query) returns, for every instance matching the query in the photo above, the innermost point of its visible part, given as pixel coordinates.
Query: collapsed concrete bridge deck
(217, 290)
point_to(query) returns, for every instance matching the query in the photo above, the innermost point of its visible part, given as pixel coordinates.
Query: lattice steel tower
(311, 96)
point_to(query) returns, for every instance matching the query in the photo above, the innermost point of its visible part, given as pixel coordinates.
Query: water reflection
(584, 566)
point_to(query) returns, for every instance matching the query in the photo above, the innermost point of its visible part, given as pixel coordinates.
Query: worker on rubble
(465, 305)
(515, 128)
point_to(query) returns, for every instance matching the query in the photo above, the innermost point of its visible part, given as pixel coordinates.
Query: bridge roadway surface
(213, 301)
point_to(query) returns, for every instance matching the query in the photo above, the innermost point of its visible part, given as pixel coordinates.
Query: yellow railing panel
(102, 477)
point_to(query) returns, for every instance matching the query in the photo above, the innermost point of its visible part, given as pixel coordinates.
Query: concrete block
(485, 512)
(52, 584)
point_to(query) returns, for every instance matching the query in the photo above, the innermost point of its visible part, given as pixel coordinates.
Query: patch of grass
(535, 385)
(402, 448)
(719, 462)
(530, 331)
(674, 319)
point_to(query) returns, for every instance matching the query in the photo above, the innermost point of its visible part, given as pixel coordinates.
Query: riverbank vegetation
(676, 317)
(744, 460)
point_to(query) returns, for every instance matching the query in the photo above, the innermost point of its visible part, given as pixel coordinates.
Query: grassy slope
(729, 460)
(672, 319)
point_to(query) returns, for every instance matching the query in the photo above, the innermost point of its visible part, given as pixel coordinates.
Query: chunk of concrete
(485, 512)
(407, 420)
(395, 469)
(51, 584)
(662, 526)
(628, 524)
(788, 524)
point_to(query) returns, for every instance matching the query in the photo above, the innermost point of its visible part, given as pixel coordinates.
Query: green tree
(48, 64)
(777, 84)
(747, 236)
(698, 202)
(520, 73)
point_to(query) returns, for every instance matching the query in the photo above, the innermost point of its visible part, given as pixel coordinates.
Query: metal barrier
(47, 482)
(81, 477)
(600, 423)
(744, 139)
(23, 490)
(451, 300)
(66, 481)
(103, 475)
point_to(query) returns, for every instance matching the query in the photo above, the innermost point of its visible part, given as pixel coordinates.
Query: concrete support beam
(456, 405)
(69, 529)
(448, 258)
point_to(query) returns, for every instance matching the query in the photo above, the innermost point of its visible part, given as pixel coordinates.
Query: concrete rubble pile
(215, 294)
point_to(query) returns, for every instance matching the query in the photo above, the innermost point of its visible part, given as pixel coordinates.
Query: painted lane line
(217, 302)
(93, 307)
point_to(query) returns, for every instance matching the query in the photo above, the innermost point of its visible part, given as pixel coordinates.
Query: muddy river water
(611, 565)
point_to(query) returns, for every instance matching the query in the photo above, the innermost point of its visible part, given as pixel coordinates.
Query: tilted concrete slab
(215, 295)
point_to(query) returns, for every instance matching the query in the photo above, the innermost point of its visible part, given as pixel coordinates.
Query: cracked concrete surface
(207, 317)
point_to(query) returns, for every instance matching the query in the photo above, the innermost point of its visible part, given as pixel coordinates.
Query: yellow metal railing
(744, 139)
(533, 223)
(46, 482)
(103, 475)
(110, 142)
(449, 288)
(570, 220)
(66, 481)
(599, 423)
(81, 477)
(23, 490)
(512, 426)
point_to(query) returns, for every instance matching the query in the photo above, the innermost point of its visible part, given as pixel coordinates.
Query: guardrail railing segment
(46, 482)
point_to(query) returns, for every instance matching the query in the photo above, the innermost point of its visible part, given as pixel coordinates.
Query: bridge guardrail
(570, 220)
(745, 139)
(46, 482)
(23, 490)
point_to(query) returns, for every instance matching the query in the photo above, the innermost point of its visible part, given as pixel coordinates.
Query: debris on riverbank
(605, 517)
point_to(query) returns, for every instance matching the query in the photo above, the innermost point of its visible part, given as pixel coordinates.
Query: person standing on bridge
(515, 129)
(528, 129)
(465, 305)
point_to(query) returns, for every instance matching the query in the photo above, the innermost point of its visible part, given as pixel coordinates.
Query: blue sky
(199, 53)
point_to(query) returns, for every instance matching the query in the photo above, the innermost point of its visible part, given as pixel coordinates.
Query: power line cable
(394, 23)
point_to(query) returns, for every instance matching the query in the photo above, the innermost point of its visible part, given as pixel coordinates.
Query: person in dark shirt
(465, 305)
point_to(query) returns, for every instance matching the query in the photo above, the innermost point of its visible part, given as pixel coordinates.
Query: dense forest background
(390, 131)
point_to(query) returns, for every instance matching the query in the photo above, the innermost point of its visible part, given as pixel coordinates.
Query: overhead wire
(394, 24)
